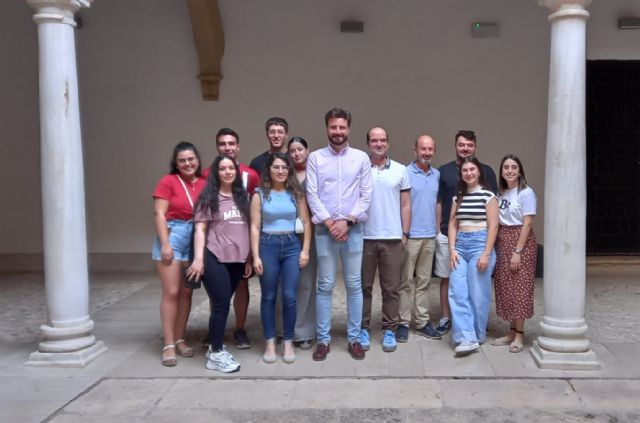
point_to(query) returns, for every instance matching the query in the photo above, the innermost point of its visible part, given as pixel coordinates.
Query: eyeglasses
(187, 160)
(280, 167)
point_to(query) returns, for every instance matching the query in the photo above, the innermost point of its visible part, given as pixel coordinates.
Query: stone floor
(420, 380)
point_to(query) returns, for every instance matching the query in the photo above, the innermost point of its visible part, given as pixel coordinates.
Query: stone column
(563, 344)
(66, 338)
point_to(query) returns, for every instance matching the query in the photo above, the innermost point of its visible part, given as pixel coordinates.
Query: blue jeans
(280, 255)
(470, 289)
(350, 253)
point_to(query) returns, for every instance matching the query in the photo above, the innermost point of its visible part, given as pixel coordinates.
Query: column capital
(566, 8)
(60, 11)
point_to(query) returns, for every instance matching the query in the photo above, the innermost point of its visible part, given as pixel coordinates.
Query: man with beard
(421, 244)
(339, 195)
(385, 233)
(277, 129)
(465, 146)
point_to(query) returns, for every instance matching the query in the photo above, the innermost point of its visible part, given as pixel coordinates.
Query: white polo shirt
(384, 214)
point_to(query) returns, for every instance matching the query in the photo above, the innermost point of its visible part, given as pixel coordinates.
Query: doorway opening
(613, 157)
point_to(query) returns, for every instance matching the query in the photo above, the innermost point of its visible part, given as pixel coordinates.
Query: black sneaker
(402, 333)
(443, 328)
(241, 339)
(429, 332)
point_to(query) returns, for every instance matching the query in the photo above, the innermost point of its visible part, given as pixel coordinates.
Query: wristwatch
(350, 223)
(406, 235)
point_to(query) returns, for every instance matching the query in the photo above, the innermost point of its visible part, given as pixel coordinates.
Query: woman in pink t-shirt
(222, 226)
(174, 197)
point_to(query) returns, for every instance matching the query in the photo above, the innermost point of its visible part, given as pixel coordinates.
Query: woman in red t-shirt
(173, 201)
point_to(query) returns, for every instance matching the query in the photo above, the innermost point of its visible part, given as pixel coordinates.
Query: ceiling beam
(209, 38)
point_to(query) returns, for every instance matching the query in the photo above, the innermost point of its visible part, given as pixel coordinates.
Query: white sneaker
(222, 361)
(224, 350)
(466, 347)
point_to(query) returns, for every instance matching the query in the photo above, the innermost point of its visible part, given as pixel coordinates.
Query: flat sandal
(516, 347)
(187, 351)
(169, 361)
(504, 341)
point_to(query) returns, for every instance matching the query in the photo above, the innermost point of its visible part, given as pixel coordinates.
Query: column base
(78, 358)
(546, 359)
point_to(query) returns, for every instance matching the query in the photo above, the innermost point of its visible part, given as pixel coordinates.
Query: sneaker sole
(465, 353)
(424, 335)
(402, 340)
(237, 369)
(389, 349)
(366, 347)
(243, 346)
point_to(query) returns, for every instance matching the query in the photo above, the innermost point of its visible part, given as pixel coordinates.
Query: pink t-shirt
(228, 234)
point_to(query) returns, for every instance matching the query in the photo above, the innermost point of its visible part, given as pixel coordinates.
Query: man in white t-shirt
(385, 234)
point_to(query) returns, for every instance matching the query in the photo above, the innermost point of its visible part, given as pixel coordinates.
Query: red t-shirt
(250, 178)
(169, 188)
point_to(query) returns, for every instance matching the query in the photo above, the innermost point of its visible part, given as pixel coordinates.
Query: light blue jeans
(470, 289)
(350, 252)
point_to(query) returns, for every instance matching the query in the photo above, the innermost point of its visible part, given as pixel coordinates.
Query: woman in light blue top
(278, 255)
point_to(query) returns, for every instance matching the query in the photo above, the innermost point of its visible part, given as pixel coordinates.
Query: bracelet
(304, 251)
(517, 250)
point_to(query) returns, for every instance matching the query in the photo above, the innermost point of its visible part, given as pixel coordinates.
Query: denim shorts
(180, 237)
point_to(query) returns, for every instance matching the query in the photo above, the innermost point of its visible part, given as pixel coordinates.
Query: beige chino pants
(414, 297)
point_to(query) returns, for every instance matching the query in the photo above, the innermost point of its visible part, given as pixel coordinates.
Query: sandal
(186, 350)
(515, 346)
(169, 360)
(505, 340)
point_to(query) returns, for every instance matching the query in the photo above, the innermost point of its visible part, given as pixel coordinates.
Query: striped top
(473, 209)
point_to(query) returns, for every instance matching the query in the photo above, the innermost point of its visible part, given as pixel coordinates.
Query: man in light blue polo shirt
(421, 244)
(385, 233)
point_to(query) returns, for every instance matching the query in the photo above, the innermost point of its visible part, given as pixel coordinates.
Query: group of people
(291, 214)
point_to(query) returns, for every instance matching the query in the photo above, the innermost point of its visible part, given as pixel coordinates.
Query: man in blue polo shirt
(421, 244)
(385, 233)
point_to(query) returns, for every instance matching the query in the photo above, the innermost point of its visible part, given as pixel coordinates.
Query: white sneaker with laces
(466, 347)
(221, 361)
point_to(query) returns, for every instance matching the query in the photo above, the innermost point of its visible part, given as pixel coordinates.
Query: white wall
(415, 69)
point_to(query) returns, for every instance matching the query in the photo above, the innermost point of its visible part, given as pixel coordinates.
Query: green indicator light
(477, 25)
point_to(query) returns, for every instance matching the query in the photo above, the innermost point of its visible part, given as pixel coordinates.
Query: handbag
(196, 282)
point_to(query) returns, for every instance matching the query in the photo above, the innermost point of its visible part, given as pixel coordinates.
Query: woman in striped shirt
(473, 227)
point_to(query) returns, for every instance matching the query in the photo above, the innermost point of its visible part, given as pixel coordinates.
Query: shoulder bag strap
(186, 191)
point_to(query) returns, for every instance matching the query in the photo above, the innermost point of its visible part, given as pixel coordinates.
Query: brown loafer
(356, 351)
(320, 354)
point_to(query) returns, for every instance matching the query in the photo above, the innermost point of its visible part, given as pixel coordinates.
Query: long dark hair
(522, 180)
(179, 148)
(291, 184)
(209, 202)
(461, 190)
